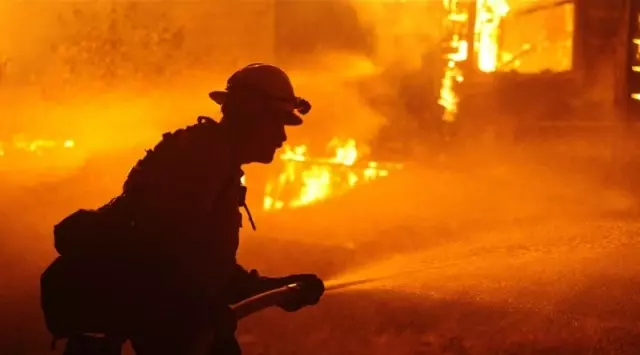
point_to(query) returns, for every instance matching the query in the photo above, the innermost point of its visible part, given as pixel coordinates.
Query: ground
(498, 257)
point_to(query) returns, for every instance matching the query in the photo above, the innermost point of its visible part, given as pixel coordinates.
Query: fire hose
(267, 300)
(276, 296)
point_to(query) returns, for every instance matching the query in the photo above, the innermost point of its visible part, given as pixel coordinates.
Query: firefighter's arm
(245, 284)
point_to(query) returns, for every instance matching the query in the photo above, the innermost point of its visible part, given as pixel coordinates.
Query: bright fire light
(486, 50)
(489, 13)
(36, 146)
(459, 52)
(636, 68)
(305, 181)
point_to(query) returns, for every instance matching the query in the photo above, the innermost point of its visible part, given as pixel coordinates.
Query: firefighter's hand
(308, 292)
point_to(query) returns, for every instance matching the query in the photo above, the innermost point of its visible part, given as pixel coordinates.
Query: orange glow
(318, 179)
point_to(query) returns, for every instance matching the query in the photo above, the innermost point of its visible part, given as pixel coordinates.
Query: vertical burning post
(486, 31)
(635, 67)
(458, 52)
(489, 14)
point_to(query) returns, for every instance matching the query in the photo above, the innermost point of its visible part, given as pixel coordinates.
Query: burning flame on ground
(304, 179)
(318, 179)
(37, 146)
(489, 13)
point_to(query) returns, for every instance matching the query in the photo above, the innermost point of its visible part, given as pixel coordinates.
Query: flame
(457, 19)
(318, 179)
(635, 67)
(36, 146)
(489, 14)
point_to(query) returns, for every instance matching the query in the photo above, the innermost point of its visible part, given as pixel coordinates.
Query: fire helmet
(269, 82)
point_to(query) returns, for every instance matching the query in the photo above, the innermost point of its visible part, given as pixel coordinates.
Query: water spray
(277, 296)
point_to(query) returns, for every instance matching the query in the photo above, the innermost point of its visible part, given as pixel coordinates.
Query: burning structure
(514, 65)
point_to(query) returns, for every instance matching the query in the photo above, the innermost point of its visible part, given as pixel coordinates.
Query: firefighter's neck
(237, 150)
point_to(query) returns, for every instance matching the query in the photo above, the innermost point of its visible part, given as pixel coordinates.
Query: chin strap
(243, 204)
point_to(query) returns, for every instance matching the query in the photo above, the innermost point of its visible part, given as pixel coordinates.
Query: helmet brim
(292, 119)
(218, 97)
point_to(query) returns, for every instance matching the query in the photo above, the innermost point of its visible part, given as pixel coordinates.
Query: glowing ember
(304, 181)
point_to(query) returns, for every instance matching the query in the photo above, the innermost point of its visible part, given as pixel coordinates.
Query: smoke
(84, 70)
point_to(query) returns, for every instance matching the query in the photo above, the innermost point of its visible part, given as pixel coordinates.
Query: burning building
(514, 65)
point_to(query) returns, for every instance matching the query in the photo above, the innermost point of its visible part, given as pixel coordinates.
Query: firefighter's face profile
(262, 124)
(266, 133)
(271, 136)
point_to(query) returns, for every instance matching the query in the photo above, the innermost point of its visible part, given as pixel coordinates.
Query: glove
(308, 293)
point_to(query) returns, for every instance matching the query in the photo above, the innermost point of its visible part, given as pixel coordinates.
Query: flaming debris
(314, 180)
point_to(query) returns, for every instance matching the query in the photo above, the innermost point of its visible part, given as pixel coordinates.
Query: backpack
(91, 234)
(78, 298)
(79, 290)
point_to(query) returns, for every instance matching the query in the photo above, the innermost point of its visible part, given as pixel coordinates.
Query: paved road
(538, 266)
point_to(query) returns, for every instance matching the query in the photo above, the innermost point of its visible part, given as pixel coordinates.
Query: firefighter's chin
(265, 157)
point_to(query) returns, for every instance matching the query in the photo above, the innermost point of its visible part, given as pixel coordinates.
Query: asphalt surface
(544, 264)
